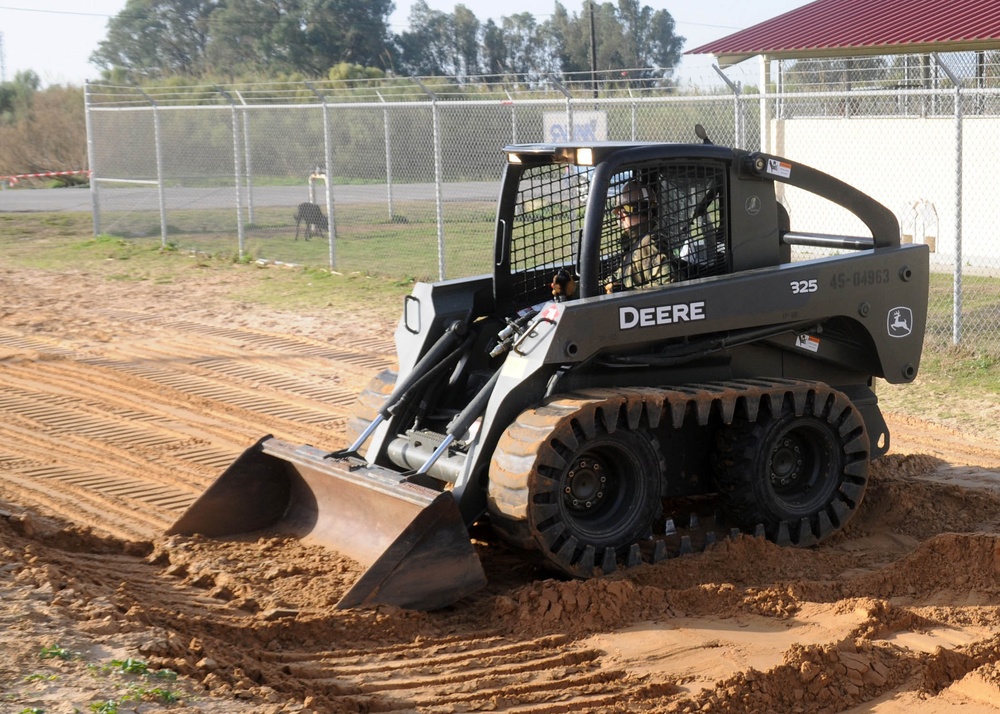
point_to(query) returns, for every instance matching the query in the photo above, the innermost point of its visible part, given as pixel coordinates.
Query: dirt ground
(120, 402)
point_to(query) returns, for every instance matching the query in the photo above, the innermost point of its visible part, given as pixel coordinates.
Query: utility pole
(3, 61)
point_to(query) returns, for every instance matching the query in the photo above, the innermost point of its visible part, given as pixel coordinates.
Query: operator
(645, 259)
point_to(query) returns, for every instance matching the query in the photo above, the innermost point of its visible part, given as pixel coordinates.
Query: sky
(55, 38)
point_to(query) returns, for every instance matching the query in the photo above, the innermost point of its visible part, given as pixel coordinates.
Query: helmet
(635, 197)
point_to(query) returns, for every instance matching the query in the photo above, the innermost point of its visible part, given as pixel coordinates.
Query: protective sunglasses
(630, 208)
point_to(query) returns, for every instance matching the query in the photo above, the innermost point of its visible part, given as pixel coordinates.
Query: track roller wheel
(801, 471)
(575, 481)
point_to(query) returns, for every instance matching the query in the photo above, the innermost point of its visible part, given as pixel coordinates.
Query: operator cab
(563, 208)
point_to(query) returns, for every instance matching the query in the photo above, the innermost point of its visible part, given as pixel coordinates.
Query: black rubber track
(541, 445)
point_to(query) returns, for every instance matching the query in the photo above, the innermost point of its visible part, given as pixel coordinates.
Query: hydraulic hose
(437, 355)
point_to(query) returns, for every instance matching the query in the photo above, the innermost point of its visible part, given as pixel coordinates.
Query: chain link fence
(405, 172)
(917, 133)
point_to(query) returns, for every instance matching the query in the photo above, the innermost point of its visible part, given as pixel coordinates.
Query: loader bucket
(412, 539)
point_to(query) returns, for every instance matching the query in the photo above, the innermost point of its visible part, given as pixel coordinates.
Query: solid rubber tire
(546, 491)
(806, 472)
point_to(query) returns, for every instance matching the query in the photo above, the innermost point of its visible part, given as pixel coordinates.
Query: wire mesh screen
(664, 224)
(547, 222)
(973, 70)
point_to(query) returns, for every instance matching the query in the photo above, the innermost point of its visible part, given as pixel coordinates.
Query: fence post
(737, 114)
(779, 104)
(331, 223)
(95, 202)
(158, 149)
(247, 162)
(569, 107)
(634, 111)
(438, 200)
(513, 116)
(241, 235)
(765, 127)
(388, 153)
(956, 318)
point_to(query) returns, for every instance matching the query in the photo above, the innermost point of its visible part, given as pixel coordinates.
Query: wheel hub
(585, 484)
(786, 462)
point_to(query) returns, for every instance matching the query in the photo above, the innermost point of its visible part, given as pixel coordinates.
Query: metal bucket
(412, 539)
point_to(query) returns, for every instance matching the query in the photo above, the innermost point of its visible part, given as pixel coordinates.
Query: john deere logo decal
(900, 322)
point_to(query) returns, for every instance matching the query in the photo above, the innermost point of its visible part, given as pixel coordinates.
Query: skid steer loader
(577, 412)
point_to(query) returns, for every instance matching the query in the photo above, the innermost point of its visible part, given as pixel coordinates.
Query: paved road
(146, 198)
(28, 199)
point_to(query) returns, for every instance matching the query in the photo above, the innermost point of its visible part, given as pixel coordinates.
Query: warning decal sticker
(551, 312)
(779, 168)
(808, 342)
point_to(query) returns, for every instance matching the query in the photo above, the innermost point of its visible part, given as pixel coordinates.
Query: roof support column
(956, 320)
(765, 123)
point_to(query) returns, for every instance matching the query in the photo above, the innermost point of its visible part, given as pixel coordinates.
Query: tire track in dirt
(121, 436)
(468, 674)
(915, 436)
(218, 613)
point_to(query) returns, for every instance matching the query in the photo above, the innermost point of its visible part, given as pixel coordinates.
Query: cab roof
(596, 152)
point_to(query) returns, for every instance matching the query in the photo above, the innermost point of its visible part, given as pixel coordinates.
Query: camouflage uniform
(645, 260)
(645, 264)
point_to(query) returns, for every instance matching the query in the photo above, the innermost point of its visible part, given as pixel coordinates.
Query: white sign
(587, 126)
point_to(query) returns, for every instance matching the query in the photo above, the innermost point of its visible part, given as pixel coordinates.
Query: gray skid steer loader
(598, 378)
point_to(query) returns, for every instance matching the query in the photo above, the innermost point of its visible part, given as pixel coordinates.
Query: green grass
(379, 259)
(956, 387)
(132, 680)
(56, 652)
(64, 242)
(368, 239)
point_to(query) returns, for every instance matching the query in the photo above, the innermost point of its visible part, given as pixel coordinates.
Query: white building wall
(909, 165)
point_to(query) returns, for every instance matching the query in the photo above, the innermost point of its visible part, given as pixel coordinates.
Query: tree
(16, 96)
(250, 37)
(48, 133)
(162, 38)
(345, 71)
(628, 36)
(665, 45)
(157, 37)
(427, 48)
(337, 31)
(523, 39)
(466, 33)
(494, 56)
(439, 43)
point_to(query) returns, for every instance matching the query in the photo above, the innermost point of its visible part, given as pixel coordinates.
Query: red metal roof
(828, 28)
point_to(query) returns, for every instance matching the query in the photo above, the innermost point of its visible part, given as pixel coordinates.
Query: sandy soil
(120, 402)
